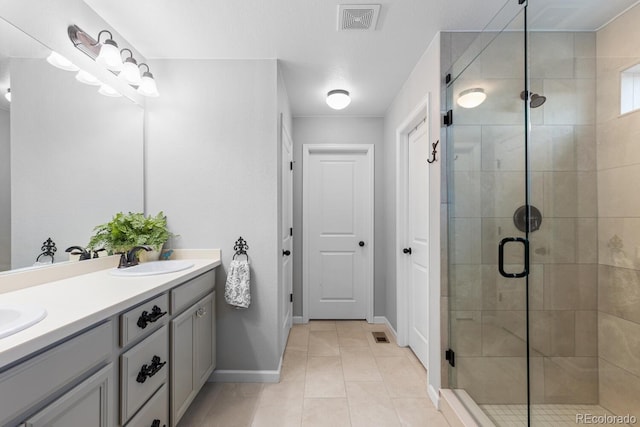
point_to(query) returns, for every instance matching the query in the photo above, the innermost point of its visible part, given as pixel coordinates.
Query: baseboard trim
(298, 320)
(242, 376)
(382, 320)
(435, 396)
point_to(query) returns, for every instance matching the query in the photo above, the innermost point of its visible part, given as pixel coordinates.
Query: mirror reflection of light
(8, 95)
(107, 90)
(87, 78)
(61, 62)
(471, 98)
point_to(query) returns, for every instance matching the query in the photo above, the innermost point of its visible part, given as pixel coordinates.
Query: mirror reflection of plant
(125, 231)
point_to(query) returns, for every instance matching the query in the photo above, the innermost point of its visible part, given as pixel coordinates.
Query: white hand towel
(237, 290)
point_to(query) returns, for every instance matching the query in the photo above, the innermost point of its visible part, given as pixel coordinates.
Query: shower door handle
(501, 246)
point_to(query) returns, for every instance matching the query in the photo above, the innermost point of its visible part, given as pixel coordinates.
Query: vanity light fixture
(107, 90)
(109, 55)
(471, 98)
(130, 72)
(61, 62)
(8, 94)
(87, 78)
(148, 84)
(338, 99)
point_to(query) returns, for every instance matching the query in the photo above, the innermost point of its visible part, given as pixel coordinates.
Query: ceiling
(315, 57)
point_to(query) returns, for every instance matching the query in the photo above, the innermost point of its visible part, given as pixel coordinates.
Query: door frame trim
(402, 223)
(307, 150)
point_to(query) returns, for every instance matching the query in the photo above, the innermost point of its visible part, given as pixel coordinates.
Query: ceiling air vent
(358, 16)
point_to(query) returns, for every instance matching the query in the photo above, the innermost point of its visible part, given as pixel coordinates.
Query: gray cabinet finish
(85, 405)
(133, 325)
(193, 290)
(33, 381)
(192, 354)
(155, 409)
(133, 393)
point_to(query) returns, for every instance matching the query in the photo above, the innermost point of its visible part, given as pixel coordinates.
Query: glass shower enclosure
(531, 323)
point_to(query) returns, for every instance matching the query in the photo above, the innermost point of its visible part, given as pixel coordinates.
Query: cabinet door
(182, 363)
(86, 405)
(205, 334)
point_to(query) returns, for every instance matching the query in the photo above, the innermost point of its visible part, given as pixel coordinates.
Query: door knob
(361, 243)
(286, 253)
(406, 251)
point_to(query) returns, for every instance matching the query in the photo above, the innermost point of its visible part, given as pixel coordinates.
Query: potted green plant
(125, 231)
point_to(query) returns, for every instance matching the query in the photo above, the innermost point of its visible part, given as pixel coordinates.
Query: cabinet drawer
(157, 408)
(143, 319)
(34, 380)
(143, 369)
(191, 291)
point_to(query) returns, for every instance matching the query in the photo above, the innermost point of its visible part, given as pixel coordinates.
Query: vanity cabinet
(192, 344)
(86, 405)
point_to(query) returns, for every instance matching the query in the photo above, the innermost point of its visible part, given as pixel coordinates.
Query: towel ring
(241, 248)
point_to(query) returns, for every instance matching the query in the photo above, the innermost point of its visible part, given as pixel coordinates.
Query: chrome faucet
(129, 259)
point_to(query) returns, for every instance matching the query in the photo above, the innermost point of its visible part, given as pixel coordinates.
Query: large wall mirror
(69, 157)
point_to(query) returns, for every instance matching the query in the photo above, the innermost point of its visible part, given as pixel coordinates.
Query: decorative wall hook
(434, 152)
(48, 250)
(240, 247)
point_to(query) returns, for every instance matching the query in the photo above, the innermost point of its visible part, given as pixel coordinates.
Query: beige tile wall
(618, 172)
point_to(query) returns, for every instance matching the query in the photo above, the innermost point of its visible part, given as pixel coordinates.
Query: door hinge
(290, 297)
(291, 231)
(448, 118)
(450, 355)
(521, 1)
(447, 78)
(290, 166)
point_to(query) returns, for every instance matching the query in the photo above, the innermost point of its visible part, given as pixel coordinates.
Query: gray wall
(339, 130)
(212, 155)
(5, 191)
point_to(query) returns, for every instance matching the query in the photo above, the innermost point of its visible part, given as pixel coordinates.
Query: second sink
(153, 268)
(15, 318)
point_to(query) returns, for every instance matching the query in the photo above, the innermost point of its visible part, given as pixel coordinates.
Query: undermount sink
(152, 268)
(15, 318)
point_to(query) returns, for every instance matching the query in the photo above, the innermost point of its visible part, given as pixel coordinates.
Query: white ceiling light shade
(61, 62)
(8, 95)
(87, 78)
(148, 84)
(338, 99)
(471, 98)
(130, 71)
(107, 90)
(109, 55)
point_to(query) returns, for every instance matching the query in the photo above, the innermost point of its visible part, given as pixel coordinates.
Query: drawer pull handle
(150, 370)
(146, 317)
(156, 423)
(201, 312)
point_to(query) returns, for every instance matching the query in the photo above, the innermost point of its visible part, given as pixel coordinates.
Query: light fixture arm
(148, 70)
(100, 33)
(128, 50)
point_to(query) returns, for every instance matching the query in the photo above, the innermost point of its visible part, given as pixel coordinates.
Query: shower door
(488, 194)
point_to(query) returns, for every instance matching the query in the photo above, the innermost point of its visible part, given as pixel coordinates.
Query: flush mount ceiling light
(471, 98)
(338, 99)
(87, 78)
(130, 72)
(61, 62)
(8, 95)
(148, 84)
(107, 90)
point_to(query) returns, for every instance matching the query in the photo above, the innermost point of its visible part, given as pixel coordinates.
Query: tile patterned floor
(543, 415)
(333, 375)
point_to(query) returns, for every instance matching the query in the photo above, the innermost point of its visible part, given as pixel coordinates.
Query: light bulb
(148, 85)
(130, 72)
(338, 99)
(87, 78)
(107, 90)
(109, 56)
(61, 62)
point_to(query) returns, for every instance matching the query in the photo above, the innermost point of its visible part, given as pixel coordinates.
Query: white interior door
(287, 235)
(338, 231)
(418, 235)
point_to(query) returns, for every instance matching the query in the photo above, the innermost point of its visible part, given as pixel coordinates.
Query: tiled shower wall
(618, 138)
(487, 311)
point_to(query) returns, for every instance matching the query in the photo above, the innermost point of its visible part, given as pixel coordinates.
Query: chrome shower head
(535, 100)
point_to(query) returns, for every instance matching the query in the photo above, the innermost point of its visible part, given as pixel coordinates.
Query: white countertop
(75, 303)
